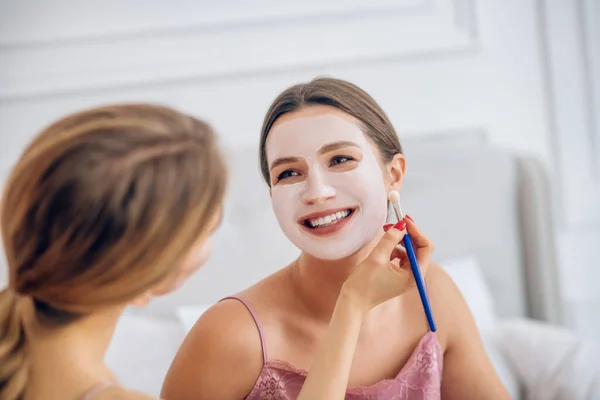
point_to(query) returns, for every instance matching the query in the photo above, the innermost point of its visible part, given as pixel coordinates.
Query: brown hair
(339, 94)
(102, 205)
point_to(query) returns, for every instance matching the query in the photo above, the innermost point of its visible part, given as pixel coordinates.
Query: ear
(396, 169)
(142, 300)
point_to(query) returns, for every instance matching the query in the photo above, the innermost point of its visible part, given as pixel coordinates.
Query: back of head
(102, 205)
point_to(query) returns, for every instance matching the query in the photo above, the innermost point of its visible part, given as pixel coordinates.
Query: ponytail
(13, 367)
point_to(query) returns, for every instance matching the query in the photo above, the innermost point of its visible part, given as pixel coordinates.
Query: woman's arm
(328, 377)
(468, 372)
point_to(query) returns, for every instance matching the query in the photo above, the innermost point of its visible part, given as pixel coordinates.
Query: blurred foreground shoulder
(220, 358)
(122, 394)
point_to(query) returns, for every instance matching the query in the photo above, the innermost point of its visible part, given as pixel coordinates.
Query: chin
(334, 257)
(350, 255)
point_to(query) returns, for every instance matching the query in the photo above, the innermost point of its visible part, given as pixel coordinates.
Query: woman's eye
(287, 174)
(339, 160)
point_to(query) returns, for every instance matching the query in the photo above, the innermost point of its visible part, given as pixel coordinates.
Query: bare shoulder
(439, 282)
(449, 307)
(223, 343)
(464, 353)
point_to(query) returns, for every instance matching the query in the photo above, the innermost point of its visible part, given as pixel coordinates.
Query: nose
(317, 189)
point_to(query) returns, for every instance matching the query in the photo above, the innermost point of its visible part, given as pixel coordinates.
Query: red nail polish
(387, 227)
(401, 225)
(408, 216)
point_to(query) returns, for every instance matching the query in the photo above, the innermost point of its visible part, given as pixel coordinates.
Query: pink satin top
(419, 379)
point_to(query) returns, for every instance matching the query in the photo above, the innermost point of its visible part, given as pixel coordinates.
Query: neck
(70, 355)
(317, 282)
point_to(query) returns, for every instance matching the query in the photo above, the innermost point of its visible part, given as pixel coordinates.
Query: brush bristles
(394, 198)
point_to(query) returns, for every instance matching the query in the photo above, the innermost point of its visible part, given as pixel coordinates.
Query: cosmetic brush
(394, 198)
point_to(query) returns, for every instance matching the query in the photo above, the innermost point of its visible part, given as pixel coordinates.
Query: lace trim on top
(420, 378)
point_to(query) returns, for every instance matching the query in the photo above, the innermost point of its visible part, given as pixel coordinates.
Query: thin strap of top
(256, 321)
(96, 389)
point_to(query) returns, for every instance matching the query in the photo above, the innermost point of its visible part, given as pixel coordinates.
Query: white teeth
(329, 219)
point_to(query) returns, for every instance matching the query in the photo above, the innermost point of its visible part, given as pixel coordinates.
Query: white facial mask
(321, 188)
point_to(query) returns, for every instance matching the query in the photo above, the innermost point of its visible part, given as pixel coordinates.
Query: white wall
(525, 72)
(571, 43)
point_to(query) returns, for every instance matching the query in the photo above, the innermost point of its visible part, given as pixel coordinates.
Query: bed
(487, 209)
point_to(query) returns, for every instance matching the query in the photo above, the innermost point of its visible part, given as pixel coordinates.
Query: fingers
(418, 238)
(423, 247)
(423, 256)
(392, 237)
(398, 253)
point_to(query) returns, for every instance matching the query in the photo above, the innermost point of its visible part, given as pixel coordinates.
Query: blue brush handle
(410, 252)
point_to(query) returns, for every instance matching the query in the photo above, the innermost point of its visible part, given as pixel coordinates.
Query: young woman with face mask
(330, 157)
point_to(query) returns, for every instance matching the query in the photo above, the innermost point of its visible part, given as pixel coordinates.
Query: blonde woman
(105, 208)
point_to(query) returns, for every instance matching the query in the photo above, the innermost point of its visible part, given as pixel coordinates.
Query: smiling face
(327, 186)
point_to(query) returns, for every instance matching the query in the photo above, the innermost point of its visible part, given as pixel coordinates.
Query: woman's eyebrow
(324, 149)
(283, 160)
(336, 145)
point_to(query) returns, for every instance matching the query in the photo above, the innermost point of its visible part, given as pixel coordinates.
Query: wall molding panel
(142, 50)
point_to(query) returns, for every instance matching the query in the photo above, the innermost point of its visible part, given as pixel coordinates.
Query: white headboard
(471, 198)
(474, 199)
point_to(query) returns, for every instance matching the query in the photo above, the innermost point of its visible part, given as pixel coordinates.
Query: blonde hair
(102, 205)
(339, 94)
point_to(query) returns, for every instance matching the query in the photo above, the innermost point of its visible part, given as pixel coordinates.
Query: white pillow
(142, 350)
(503, 367)
(467, 276)
(552, 362)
